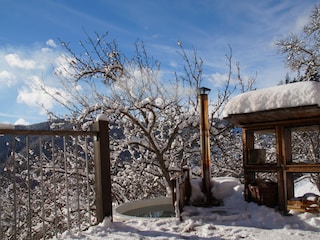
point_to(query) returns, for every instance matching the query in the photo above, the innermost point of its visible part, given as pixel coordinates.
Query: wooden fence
(53, 181)
(181, 190)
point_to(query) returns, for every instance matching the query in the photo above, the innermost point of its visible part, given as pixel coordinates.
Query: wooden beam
(249, 177)
(287, 152)
(292, 115)
(18, 132)
(263, 167)
(303, 168)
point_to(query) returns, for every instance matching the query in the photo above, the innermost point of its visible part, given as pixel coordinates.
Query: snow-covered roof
(283, 96)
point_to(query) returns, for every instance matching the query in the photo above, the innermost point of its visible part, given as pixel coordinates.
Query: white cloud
(46, 50)
(217, 79)
(63, 68)
(32, 95)
(301, 22)
(7, 78)
(21, 121)
(24, 69)
(51, 43)
(173, 64)
(21, 118)
(14, 60)
(50, 46)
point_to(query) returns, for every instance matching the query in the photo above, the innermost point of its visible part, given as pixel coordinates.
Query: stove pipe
(205, 143)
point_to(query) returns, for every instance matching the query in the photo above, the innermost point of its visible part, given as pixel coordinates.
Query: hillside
(6, 140)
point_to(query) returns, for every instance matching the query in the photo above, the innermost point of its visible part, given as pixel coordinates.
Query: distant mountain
(36, 126)
(7, 141)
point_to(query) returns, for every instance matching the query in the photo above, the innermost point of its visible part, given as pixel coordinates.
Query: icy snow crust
(283, 96)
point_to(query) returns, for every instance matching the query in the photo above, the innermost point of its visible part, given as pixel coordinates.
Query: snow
(236, 219)
(283, 96)
(303, 186)
(102, 117)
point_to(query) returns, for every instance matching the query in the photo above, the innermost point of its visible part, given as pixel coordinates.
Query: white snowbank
(223, 187)
(303, 185)
(237, 219)
(283, 96)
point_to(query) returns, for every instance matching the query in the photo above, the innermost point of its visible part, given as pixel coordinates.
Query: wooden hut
(277, 115)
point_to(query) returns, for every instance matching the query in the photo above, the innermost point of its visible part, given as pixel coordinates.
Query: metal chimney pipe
(205, 143)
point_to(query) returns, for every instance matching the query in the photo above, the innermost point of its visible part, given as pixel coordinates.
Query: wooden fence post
(102, 171)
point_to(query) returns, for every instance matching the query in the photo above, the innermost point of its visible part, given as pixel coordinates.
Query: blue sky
(30, 33)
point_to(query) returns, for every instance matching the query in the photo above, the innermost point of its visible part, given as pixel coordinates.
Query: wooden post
(288, 161)
(248, 144)
(281, 163)
(102, 171)
(186, 173)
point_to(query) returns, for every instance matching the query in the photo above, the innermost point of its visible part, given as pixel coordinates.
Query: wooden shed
(272, 122)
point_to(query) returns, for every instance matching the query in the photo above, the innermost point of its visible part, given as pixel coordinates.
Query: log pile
(309, 202)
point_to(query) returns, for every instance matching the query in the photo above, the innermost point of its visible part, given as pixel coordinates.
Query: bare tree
(154, 121)
(302, 53)
(302, 50)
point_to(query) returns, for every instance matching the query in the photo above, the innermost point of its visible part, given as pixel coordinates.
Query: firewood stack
(309, 202)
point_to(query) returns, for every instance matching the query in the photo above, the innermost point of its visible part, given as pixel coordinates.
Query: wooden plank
(287, 151)
(249, 177)
(17, 132)
(262, 167)
(248, 144)
(277, 116)
(282, 185)
(303, 168)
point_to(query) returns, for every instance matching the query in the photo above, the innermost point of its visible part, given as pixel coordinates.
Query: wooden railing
(181, 190)
(53, 181)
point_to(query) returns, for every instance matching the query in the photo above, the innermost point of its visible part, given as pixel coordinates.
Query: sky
(31, 32)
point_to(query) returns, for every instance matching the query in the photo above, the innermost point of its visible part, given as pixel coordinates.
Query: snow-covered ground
(236, 219)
